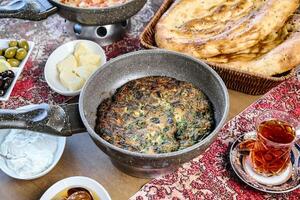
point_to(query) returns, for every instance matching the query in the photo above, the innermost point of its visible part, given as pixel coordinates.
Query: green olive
(10, 52)
(13, 43)
(13, 62)
(2, 58)
(23, 44)
(21, 54)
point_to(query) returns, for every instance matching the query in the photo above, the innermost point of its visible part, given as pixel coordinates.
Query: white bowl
(76, 181)
(59, 151)
(16, 70)
(50, 71)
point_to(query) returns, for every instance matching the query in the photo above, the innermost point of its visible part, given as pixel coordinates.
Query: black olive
(5, 86)
(2, 93)
(3, 74)
(7, 82)
(10, 74)
(8, 79)
(1, 81)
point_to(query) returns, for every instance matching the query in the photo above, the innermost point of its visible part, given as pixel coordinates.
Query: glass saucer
(286, 181)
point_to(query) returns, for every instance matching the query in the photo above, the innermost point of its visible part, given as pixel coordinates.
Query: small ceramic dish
(98, 192)
(286, 181)
(51, 73)
(61, 142)
(16, 70)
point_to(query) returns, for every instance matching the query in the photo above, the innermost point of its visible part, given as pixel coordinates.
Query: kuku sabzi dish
(93, 3)
(155, 115)
(256, 36)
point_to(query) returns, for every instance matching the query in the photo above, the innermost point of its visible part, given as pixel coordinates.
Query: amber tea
(270, 153)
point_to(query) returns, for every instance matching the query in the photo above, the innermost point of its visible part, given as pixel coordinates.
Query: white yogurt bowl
(61, 142)
(59, 54)
(77, 181)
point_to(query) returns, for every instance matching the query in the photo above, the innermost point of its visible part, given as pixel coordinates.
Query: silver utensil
(44, 118)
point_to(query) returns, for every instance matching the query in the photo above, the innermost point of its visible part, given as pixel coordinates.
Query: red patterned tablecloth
(210, 176)
(207, 177)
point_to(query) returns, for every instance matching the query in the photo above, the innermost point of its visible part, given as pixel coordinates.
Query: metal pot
(41, 9)
(100, 16)
(103, 84)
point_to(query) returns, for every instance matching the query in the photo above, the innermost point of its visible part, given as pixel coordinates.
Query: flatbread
(232, 33)
(278, 60)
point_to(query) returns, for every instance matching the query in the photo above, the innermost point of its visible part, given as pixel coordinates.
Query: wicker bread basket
(242, 81)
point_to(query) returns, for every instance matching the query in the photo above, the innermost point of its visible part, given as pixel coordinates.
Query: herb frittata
(155, 115)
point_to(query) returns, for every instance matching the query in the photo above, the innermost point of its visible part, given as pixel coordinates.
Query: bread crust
(208, 32)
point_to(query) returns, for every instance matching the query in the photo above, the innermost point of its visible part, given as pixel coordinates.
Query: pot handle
(63, 120)
(29, 10)
(74, 123)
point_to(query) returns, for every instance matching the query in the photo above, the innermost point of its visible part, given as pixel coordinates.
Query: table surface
(82, 158)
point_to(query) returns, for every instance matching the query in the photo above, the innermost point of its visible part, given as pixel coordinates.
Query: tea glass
(269, 157)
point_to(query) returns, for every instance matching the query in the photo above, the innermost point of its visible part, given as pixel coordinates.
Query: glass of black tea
(276, 135)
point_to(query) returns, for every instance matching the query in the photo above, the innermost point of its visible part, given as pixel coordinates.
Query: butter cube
(70, 80)
(92, 68)
(69, 63)
(83, 72)
(89, 59)
(81, 49)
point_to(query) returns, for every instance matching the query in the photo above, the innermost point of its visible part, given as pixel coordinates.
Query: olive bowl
(17, 70)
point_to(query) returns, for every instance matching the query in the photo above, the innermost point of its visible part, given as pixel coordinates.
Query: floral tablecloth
(210, 176)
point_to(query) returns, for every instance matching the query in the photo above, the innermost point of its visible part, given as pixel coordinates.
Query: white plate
(59, 151)
(16, 70)
(76, 181)
(50, 71)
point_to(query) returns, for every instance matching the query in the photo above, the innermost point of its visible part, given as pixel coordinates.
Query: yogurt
(28, 153)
